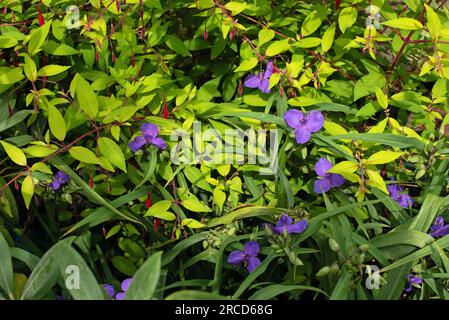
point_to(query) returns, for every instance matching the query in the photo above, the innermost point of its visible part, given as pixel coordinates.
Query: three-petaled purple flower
(59, 179)
(120, 295)
(397, 194)
(304, 124)
(260, 80)
(327, 180)
(149, 135)
(439, 228)
(248, 256)
(286, 225)
(412, 280)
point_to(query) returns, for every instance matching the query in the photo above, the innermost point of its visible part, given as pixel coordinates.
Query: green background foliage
(72, 98)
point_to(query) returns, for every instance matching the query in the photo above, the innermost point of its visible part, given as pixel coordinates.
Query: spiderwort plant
(304, 124)
(286, 225)
(439, 228)
(261, 80)
(120, 295)
(149, 135)
(412, 280)
(397, 194)
(248, 256)
(60, 178)
(326, 180)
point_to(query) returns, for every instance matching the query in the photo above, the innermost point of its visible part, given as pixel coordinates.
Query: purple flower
(412, 280)
(248, 256)
(260, 81)
(286, 225)
(327, 180)
(304, 124)
(109, 290)
(120, 295)
(149, 135)
(397, 194)
(59, 179)
(439, 229)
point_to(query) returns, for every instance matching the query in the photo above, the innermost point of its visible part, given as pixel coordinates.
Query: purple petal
(252, 81)
(120, 296)
(284, 220)
(236, 257)
(322, 167)
(269, 70)
(137, 143)
(264, 84)
(315, 121)
(336, 180)
(251, 248)
(441, 232)
(439, 222)
(55, 185)
(302, 135)
(394, 190)
(297, 227)
(405, 201)
(322, 185)
(109, 290)
(253, 263)
(149, 130)
(293, 118)
(126, 283)
(159, 142)
(279, 229)
(62, 177)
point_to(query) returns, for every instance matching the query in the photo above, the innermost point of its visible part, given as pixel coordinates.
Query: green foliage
(74, 96)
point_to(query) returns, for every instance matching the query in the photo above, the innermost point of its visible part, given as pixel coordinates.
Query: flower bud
(324, 271)
(334, 245)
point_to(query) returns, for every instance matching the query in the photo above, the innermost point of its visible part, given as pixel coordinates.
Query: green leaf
(27, 190)
(382, 157)
(56, 122)
(381, 98)
(159, 210)
(85, 96)
(51, 70)
(313, 20)
(6, 270)
(433, 23)
(346, 18)
(83, 155)
(277, 47)
(328, 38)
(403, 24)
(111, 151)
(375, 180)
(192, 224)
(38, 38)
(146, 279)
(389, 139)
(14, 153)
(274, 290)
(235, 7)
(30, 68)
(195, 295)
(247, 65)
(177, 45)
(195, 205)
(15, 119)
(342, 288)
(265, 35)
(45, 275)
(73, 268)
